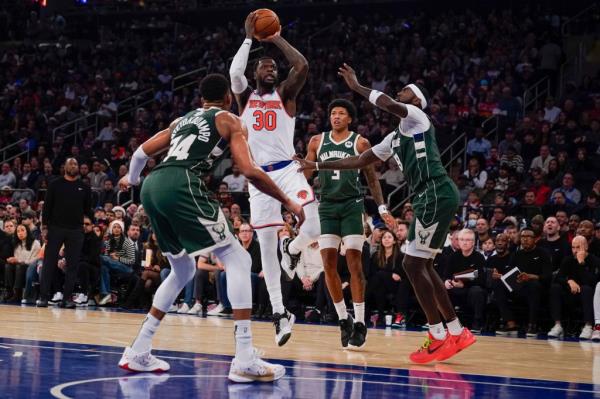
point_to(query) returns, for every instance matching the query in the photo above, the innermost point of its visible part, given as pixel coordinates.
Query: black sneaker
(289, 262)
(283, 326)
(67, 305)
(359, 336)
(347, 329)
(532, 331)
(508, 331)
(41, 303)
(476, 327)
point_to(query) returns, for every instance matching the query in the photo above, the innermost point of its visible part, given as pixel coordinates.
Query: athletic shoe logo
(220, 230)
(302, 194)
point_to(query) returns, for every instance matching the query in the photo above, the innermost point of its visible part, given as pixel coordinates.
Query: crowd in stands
(531, 196)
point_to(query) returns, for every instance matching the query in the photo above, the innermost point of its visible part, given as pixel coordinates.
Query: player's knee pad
(183, 269)
(327, 241)
(412, 250)
(354, 241)
(237, 263)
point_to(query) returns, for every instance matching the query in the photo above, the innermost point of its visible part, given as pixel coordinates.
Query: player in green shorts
(186, 221)
(341, 215)
(413, 146)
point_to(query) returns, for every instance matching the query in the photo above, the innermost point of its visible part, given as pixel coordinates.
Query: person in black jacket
(467, 292)
(535, 269)
(67, 201)
(7, 250)
(89, 263)
(556, 245)
(576, 279)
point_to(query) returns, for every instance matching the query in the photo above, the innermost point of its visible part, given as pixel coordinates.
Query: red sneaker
(457, 343)
(431, 349)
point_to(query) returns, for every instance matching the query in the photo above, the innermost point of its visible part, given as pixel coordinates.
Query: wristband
(382, 209)
(316, 165)
(375, 94)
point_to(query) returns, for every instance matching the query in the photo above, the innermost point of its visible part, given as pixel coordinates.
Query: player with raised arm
(269, 112)
(414, 148)
(341, 214)
(187, 221)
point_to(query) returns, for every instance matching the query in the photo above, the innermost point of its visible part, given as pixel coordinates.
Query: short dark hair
(263, 58)
(214, 87)
(347, 105)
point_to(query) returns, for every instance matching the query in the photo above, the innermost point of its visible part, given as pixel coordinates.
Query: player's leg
(353, 236)
(266, 220)
(246, 365)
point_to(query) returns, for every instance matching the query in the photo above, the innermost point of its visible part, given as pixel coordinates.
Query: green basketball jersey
(195, 142)
(338, 185)
(418, 157)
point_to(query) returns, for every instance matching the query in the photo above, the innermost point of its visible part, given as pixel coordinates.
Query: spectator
(482, 233)
(512, 160)
(466, 292)
(591, 209)
(501, 262)
(25, 254)
(509, 141)
(572, 194)
(528, 208)
(7, 177)
(556, 245)
(577, 278)
(479, 146)
(475, 175)
(97, 176)
(551, 111)
(534, 270)
(542, 160)
(541, 190)
(108, 195)
(586, 229)
(235, 181)
(89, 263)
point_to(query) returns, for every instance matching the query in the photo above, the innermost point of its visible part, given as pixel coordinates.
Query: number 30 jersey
(270, 128)
(195, 142)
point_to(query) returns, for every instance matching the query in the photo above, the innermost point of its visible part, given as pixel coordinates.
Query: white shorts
(265, 211)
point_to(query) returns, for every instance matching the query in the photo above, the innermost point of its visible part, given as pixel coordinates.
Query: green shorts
(434, 206)
(344, 218)
(182, 215)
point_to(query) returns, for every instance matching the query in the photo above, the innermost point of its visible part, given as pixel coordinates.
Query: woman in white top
(25, 254)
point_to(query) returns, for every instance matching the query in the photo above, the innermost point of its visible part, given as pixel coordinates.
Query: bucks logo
(423, 236)
(220, 230)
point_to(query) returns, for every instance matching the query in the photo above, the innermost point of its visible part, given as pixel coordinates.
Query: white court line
(18, 354)
(5, 347)
(91, 355)
(56, 391)
(329, 365)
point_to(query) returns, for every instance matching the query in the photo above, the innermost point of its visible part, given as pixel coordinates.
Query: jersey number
(265, 120)
(180, 147)
(335, 175)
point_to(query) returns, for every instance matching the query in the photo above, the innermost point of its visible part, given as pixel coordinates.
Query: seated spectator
(551, 111)
(528, 208)
(554, 243)
(467, 293)
(7, 177)
(572, 194)
(558, 203)
(25, 254)
(108, 194)
(224, 196)
(573, 224)
(479, 146)
(541, 190)
(97, 176)
(488, 193)
(502, 260)
(591, 209)
(535, 269)
(509, 141)
(235, 181)
(32, 275)
(475, 176)
(472, 204)
(576, 281)
(502, 179)
(586, 229)
(542, 160)
(513, 160)
(207, 264)
(89, 263)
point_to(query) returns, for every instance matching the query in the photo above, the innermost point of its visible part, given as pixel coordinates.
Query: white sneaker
(183, 309)
(255, 370)
(216, 311)
(173, 309)
(142, 362)
(105, 300)
(556, 332)
(283, 327)
(596, 333)
(197, 308)
(81, 300)
(289, 262)
(58, 297)
(586, 332)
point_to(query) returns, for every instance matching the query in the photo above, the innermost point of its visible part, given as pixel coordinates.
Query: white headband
(419, 94)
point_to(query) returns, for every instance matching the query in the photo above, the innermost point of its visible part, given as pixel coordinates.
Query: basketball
(267, 23)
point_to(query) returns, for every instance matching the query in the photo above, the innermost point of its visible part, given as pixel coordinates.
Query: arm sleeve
(239, 83)
(137, 164)
(383, 150)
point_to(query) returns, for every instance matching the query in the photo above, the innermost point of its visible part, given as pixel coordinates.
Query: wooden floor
(510, 357)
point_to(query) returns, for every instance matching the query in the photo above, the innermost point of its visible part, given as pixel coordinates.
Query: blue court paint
(39, 369)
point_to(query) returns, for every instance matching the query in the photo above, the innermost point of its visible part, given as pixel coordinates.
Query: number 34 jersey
(195, 142)
(270, 128)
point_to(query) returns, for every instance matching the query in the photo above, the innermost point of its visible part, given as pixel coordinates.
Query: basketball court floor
(56, 353)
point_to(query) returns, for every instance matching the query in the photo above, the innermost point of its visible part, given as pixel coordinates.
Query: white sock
(243, 340)
(299, 244)
(359, 312)
(454, 327)
(143, 341)
(267, 238)
(340, 309)
(310, 230)
(437, 331)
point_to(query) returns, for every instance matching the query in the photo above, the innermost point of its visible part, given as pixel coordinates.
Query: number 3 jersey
(337, 185)
(195, 142)
(270, 128)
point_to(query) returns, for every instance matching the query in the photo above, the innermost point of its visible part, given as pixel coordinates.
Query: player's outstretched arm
(232, 129)
(356, 162)
(290, 87)
(239, 84)
(375, 186)
(377, 98)
(311, 154)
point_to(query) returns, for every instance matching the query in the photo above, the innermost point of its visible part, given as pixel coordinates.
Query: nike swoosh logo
(536, 258)
(358, 200)
(420, 195)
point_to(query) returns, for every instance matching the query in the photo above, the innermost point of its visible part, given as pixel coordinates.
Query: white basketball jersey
(270, 128)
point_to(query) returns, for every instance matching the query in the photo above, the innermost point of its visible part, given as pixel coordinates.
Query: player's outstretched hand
(273, 37)
(249, 24)
(304, 164)
(124, 183)
(297, 210)
(346, 72)
(389, 220)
